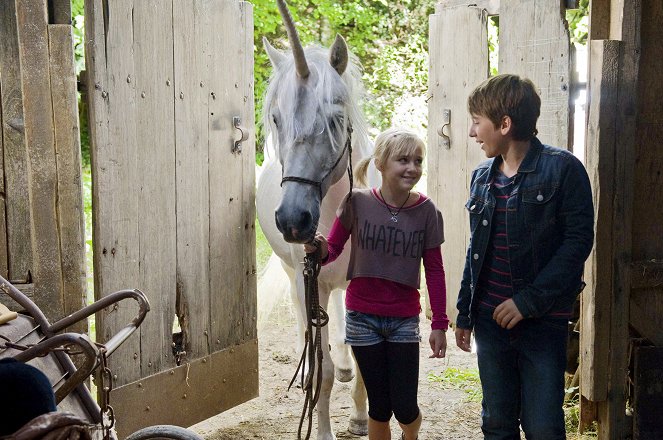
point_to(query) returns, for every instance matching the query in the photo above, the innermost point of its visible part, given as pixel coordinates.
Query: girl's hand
(463, 339)
(438, 343)
(321, 241)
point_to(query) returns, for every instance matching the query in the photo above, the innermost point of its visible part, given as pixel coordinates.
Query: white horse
(309, 107)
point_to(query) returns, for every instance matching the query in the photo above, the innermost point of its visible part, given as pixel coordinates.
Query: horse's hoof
(344, 374)
(358, 427)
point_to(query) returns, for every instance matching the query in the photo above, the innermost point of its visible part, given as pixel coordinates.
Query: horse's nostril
(276, 220)
(305, 220)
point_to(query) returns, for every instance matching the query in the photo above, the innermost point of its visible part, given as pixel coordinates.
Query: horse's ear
(338, 55)
(275, 56)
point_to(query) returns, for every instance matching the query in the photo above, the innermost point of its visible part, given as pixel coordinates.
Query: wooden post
(612, 420)
(70, 216)
(17, 197)
(600, 162)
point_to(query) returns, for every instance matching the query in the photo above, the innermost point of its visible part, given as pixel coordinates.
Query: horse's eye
(275, 121)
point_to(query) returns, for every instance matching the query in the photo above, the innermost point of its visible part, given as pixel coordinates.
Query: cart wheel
(164, 432)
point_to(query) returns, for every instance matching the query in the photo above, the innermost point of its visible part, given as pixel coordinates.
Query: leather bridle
(318, 183)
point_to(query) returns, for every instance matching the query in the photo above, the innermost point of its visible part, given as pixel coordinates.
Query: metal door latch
(446, 122)
(244, 135)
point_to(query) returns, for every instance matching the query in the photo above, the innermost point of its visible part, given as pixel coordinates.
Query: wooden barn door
(534, 43)
(173, 202)
(41, 204)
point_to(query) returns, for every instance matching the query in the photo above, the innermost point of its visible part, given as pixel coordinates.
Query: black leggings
(391, 374)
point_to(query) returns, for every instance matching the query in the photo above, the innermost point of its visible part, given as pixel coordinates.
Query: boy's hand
(319, 240)
(438, 343)
(507, 314)
(463, 339)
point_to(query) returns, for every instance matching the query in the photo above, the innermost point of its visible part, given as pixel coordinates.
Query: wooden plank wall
(43, 210)
(600, 163)
(456, 67)
(630, 267)
(173, 205)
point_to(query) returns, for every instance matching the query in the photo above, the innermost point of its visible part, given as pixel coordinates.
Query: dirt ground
(448, 411)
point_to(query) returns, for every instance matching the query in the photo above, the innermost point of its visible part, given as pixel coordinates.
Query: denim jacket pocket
(539, 205)
(475, 206)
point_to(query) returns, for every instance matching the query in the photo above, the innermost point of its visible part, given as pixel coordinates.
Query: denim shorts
(366, 329)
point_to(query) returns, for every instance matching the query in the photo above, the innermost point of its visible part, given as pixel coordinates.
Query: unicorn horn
(297, 49)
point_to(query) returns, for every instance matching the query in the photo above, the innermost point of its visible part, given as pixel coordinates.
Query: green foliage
(460, 379)
(493, 44)
(78, 21)
(389, 38)
(578, 20)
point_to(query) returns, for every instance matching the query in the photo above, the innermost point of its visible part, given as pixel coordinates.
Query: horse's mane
(284, 88)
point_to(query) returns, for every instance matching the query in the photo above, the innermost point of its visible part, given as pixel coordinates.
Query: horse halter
(318, 184)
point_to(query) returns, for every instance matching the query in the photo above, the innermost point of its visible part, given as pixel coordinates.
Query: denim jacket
(550, 230)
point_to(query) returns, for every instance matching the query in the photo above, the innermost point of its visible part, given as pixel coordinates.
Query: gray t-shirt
(382, 248)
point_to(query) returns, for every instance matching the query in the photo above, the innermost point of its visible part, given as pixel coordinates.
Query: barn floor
(450, 407)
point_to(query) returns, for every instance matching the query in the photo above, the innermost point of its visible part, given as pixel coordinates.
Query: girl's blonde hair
(390, 143)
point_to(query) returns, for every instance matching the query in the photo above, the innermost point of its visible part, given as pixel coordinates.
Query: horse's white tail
(273, 290)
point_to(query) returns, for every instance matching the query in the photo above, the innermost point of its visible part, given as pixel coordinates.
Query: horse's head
(310, 106)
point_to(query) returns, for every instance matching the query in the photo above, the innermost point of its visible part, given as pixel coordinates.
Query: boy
(531, 220)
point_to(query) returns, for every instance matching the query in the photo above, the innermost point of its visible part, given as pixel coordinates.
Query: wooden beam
(70, 215)
(645, 322)
(492, 7)
(600, 163)
(599, 19)
(646, 274)
(15, 157)
(612, 420)
(59, 11)
(39, 133)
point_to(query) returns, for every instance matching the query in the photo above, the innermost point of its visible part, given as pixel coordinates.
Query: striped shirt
(495, 286)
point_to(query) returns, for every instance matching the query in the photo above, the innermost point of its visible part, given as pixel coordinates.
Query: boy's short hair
(508, 95)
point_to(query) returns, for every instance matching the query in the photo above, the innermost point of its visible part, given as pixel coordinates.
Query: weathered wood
(492, 7)
(173, 206)
(648, 177)
(249, 306)
(599, 20)
(112, 122)
(600, 163)
(3, 210)
(538, 48)
(191, 32)
(39, 132)
(646, 274)
(645, 319)
(59, 11)
(648, 398)
(17, 197)
(456, 67)
(189, 393)
(154, 184)
(587, 413)
(611, 411)
(68, 155)
(228, 189)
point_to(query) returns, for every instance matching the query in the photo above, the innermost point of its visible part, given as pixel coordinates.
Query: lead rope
(315, 317)
(318, 318)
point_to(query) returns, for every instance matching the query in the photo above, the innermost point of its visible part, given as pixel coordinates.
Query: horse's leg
(343, 361)
(359, 415)
(325, 431)
(298, 302)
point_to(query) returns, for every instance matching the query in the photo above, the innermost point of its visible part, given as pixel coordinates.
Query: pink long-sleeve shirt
(385, 297)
